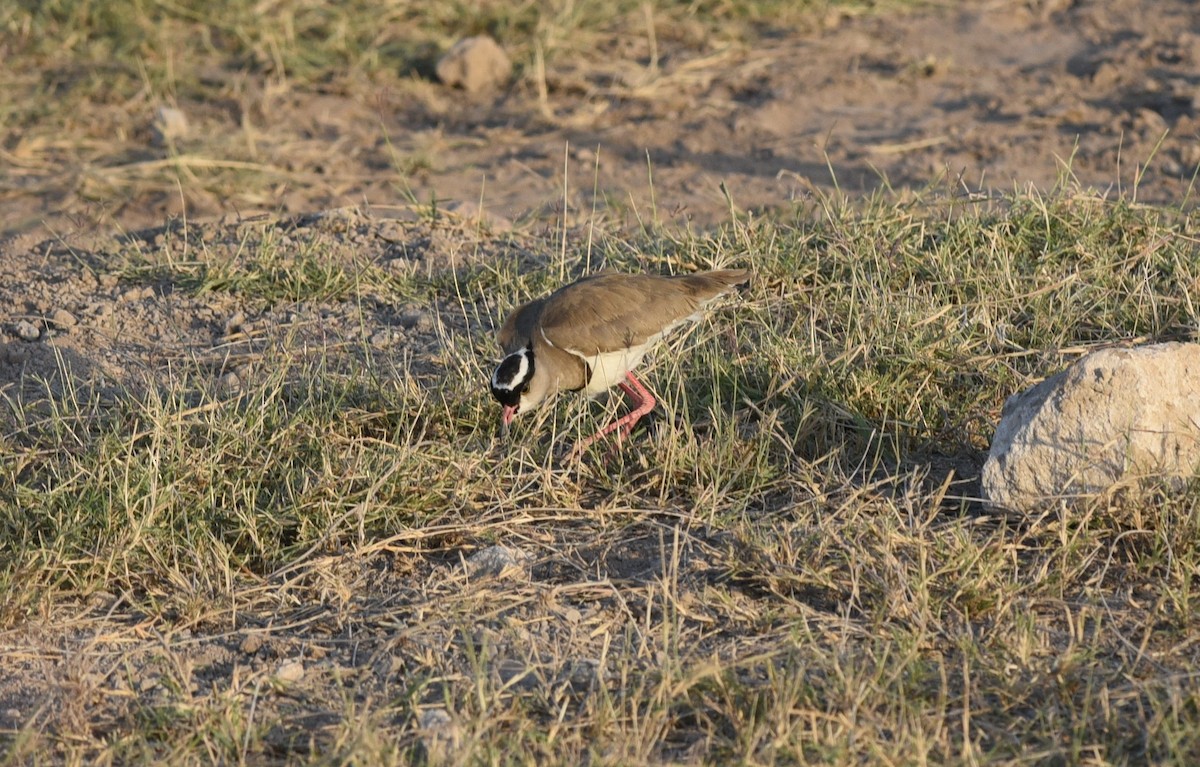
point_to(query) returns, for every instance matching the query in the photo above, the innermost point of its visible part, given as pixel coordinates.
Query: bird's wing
(610, 312)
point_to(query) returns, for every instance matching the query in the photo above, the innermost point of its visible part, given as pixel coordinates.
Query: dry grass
(791, 567)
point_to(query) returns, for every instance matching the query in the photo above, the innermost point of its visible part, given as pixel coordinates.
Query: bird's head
(517, 385)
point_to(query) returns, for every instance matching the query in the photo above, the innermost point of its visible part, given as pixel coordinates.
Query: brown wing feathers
(611, 311)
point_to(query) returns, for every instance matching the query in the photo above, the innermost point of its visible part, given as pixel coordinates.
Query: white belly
(608, 369)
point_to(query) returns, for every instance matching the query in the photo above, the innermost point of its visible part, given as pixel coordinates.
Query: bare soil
(991, 95)
(986, 95)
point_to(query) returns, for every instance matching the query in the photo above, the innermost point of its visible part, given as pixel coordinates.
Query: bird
(589, 336)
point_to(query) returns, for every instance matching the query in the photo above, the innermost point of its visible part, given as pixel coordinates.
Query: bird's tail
(706, 285)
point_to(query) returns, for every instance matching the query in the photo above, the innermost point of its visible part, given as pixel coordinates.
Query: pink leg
(644, 403)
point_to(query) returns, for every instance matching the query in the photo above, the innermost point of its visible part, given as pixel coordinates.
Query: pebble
(136, 294)
(420, 320)
(63, 319)
(474, 64)
(471, 212)
(235, 323)
(439, 735)
(514, 674)
(497, 561)
(170, 124)
(27, 331)
(382, 339)
(391, 231)
(1106, 75)
(290, 671)
(435, 719)
(251, 644)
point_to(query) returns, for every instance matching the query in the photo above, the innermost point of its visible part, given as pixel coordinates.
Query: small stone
(251, 644)
(1150, 122)
(290, 671)
(474, 64)
(134, 295)
(63, 319)
(391, 231)
(420, 321)
(382, 339)
(435, 719)
(27, 331)
(170, 125)
(235, 323)
(497, 561)
(472, 213)
(1106, 75)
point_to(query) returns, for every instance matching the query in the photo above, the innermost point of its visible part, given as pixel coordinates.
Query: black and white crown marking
(511, 377)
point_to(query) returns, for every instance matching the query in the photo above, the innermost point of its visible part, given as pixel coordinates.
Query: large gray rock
(1115, 416)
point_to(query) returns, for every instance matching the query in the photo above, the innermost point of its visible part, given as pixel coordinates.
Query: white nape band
(517, 379)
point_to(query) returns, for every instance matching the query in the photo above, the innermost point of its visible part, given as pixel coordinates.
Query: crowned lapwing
(589, 335)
